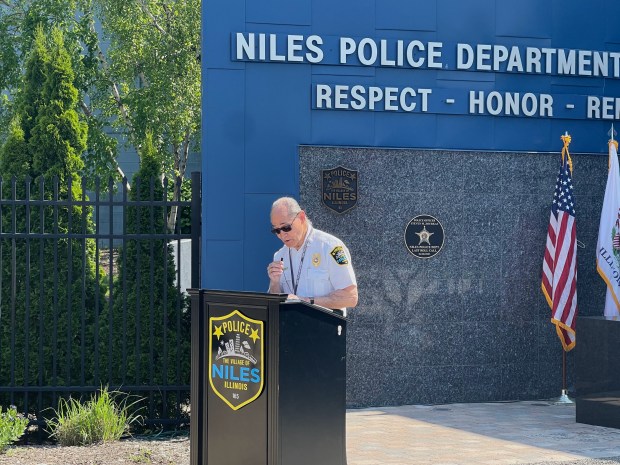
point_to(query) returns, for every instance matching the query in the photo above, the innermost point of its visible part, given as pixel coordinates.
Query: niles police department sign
(236, 353)
(411, 54)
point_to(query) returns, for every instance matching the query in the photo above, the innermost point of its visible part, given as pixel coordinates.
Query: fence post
(196, 227)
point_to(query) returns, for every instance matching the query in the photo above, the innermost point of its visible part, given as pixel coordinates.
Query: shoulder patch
(339, 255)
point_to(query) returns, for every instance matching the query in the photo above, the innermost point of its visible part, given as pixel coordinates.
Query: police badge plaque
(339, 189)
(236, 350)
(424, 236)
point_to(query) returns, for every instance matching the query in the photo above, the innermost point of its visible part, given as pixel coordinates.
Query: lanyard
(301, 262)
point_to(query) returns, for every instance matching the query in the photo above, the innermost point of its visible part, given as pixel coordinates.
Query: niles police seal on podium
(424, 236)
(236, 369)
(339, 189)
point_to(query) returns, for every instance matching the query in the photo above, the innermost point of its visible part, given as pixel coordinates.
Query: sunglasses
(285, 228)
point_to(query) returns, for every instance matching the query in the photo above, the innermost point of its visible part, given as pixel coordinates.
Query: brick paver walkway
(503, 433)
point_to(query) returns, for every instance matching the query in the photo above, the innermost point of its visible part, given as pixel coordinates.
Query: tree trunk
(180, 165)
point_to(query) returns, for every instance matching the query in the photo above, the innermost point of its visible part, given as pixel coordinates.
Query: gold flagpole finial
(566, 139)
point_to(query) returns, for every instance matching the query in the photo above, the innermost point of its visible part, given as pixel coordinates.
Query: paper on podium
(344, 311)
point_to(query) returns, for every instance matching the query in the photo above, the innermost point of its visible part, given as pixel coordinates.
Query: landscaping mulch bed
(172, 451)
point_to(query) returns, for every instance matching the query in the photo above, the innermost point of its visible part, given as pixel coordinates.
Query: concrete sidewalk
(499, 433)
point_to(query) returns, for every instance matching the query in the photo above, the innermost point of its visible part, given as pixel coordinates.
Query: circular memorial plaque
(424, 236)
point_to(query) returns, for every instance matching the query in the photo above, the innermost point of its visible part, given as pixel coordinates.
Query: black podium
(268, 381)
(597, 369)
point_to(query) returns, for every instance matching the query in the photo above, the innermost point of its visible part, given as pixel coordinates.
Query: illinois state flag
(608, 246)
(559, 281)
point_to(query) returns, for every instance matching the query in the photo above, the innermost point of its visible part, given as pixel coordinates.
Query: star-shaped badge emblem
(424, 236)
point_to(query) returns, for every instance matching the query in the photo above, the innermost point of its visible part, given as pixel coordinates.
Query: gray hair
(290, 204)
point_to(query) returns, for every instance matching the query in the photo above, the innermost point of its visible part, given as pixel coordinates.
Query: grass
(104, 418)
(12, 452)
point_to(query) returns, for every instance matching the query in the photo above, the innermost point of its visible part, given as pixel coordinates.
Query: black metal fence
(84, 306)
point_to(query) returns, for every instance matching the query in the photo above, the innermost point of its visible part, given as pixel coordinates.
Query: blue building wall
(258, 113)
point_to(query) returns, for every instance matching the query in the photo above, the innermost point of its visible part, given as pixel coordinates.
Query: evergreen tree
(49, 285)
(58, 138)
(15, 159)
(150, 319)
(30, 96)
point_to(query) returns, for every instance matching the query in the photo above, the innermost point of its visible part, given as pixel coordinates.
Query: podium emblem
(236, 349)
(339, 189)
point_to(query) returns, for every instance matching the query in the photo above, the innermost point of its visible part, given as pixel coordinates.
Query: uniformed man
(313, 266)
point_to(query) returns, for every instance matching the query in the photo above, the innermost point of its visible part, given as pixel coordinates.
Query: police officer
(312, 266)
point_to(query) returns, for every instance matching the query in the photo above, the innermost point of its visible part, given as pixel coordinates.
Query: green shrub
(12, 426)
(101, 419)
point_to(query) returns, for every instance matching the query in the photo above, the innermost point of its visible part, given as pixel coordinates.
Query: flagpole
(564, 399)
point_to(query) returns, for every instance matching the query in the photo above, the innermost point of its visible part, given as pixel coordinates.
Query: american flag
(559, 281)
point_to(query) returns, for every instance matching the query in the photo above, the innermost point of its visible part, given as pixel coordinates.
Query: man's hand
(274, 271)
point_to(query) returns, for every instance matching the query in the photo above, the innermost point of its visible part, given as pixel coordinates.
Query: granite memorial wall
(469, 324)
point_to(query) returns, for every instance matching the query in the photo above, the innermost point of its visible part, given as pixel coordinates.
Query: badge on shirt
(339, 255)
(316, 259)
